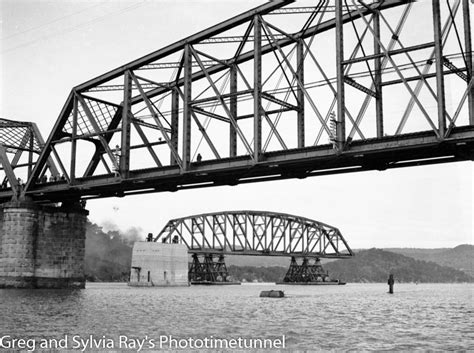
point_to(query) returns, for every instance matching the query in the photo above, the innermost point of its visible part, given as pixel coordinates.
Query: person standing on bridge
(117, 160)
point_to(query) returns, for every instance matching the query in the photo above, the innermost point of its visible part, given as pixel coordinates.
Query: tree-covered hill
(461, 257)
(374, 265)
(257, 274)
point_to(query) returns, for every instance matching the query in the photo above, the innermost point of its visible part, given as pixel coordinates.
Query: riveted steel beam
(468, 53)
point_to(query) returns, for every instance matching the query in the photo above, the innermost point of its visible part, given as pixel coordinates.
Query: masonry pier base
(42, 246)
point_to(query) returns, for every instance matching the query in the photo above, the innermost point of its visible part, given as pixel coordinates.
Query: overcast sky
(48, 47)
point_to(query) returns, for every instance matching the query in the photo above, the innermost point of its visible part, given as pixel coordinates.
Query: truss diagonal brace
(409, 89)
(49, 162)
(264, 113)
(145, 140)
(97, 129)
(111, 129)
(8, 170)
(455, 70)
(148, 125)
(355, 84)
(224, 105)
(211, 115)
(202, 129)
(275, 100)
(299, 83)
(157, 120)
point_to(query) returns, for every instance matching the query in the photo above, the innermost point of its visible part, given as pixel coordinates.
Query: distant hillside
(257, 274)
(374, 265)
(108, 255)
(461, 257)
(257, 261)
(262, 261)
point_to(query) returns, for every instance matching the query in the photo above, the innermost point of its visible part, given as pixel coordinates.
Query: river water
(350, 317)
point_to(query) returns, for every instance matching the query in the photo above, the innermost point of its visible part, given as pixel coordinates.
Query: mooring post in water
(390, 282)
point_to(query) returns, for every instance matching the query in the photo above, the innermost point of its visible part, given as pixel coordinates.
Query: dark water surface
(351, 317)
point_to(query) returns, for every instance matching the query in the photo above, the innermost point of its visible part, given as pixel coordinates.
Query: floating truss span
(256, 233)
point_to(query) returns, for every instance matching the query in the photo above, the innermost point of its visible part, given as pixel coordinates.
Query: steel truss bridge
(280, 91)
(24, 142)
(255, 233)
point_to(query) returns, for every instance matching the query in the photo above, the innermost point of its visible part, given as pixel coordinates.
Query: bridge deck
(374, 154)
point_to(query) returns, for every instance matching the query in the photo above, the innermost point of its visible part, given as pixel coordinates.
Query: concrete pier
(42, 246)
(158, 264)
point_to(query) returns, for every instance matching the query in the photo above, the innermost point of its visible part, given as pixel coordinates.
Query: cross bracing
(255, 233)
(20, 146)
(281, 91)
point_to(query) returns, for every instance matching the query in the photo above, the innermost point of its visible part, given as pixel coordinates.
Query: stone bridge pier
(42, 246)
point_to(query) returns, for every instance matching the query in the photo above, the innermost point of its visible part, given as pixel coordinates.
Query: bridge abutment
(42, 246)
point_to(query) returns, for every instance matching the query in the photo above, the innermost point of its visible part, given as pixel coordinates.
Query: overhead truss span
(255, 233)
(280, 91)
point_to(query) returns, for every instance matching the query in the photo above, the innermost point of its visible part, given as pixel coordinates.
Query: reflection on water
(355, 316)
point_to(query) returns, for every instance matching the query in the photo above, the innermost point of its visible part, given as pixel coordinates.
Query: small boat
(272, 294)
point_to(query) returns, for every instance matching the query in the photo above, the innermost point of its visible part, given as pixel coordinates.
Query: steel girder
(23, 142)
(254, 99)
(255, 233)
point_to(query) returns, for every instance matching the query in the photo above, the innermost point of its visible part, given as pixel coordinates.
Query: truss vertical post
(126, 116)
(257, 88)
(72, 170)
(187, 107)
(341, 129)
(300, 92)
(378, 76)
(174, 124)
(439, 67)
(468, 54)
(30, 152)
(233, 111)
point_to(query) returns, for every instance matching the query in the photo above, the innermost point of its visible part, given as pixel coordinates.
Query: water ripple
(352, 317)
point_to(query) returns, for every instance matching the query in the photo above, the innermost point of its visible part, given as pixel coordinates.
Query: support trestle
(209, 271)
(307, 273)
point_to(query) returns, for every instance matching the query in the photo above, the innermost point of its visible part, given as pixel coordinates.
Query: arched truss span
(255, 233)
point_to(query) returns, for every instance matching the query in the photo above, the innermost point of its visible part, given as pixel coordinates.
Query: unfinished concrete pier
(159, 264)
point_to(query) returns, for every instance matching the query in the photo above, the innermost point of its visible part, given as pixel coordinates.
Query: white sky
(48, 47)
